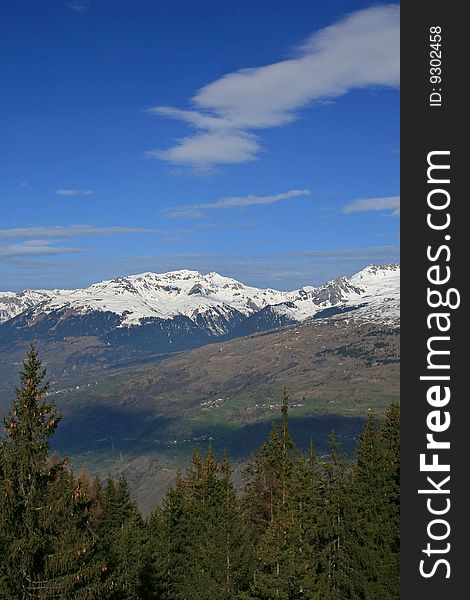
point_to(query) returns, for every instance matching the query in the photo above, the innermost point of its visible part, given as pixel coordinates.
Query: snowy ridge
(381, 295)
(12, 304)
(210, 298)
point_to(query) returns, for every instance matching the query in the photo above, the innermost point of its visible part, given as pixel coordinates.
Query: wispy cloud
(73, 231)
(193, 172)
(79, 6)
(287, 270)
(34, 248)
(227, 225)
(72, 192)
(374, 204)
(209, 148)
(196, 210)
(362, 50)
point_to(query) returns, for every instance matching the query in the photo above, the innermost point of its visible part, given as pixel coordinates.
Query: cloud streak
(374, 204)
(286, 270)
(360, 51)
(196, 210)
(34, 248)
(79, 6)
(76, 231)
(67, 192)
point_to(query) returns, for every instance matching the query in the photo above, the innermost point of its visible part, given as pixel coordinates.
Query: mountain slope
(145, 420)
(133, 404)
(12, 304)
(136, 318)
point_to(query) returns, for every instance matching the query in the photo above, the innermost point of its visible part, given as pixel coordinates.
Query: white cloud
(193, 117)
(196, 210)
(362, 50)
(75, 231)
(374, 204)
(34, 248)
(72, 192)
(211, 147)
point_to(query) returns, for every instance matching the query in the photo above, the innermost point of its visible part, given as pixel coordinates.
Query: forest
(301, 527)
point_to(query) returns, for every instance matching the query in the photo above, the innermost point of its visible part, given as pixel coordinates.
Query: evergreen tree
(388, 584)
(337, 574)
(47, 547)
(287, 548)
(222, 547)
(71, 566)
(375, 492)
(301, 530)
(92, 489)
(266, 475)
(305, 508)
(169, 535)
(238, 552)
(202, 550)
(123, 543)
(366, 490)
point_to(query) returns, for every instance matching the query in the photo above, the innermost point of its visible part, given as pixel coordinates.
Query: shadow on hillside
(113, 429)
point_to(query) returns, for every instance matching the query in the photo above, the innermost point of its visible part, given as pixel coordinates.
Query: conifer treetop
(32, 418)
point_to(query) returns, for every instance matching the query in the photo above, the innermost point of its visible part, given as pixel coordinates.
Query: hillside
(146, 420)
(138, 392)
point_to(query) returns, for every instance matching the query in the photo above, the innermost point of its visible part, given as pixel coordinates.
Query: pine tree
(388, 584)
(47, 547)
(337, 574)
(305, 512)
(222, 547)
(92, 488)
(123, 543)
(207, 560)
(169, 535)
(287, 487)
(375, 524)
(71, 566)
(267, 473)
(238, 552)
(201, 547)
(366, 491)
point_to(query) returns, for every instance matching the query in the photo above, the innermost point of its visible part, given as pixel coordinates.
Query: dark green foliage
(388, 523)
(285, 488)
(45, 540)
(123, 543)
(361, 519)
(305, 507)
(202, 550)
(267, 476)
(337, 579)
(303, 528)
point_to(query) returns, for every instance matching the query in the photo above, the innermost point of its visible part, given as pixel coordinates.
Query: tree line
(301, 528)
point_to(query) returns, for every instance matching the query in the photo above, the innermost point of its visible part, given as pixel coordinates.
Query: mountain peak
(194, 295)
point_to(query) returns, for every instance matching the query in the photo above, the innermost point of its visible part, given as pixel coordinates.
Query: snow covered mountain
(372, 294)
(183, 309)
(12, 304)
(163, 296)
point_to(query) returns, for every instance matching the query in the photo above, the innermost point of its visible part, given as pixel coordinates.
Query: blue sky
(257, 139)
